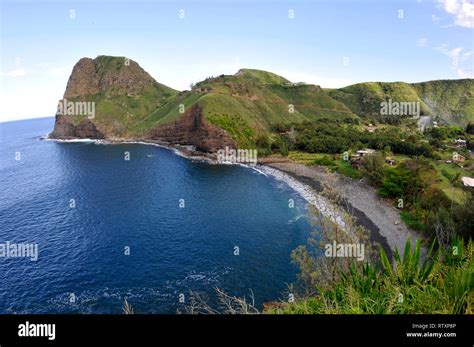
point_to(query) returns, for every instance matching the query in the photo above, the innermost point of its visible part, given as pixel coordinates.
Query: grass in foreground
(443, 284)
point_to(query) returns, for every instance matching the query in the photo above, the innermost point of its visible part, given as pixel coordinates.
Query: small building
(356, 158)
(364, 152)
(390, 161)
(458, 158)
(460, 143)
(370, 127)
(467, 181)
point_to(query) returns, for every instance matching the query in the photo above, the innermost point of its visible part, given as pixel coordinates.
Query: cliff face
(192, 129)
(108, 75)
(86, 129)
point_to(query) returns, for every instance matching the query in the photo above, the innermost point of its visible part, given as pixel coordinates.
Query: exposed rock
(87, 129)
(83, 80)
(192, 129)
(107, 75)
(63, 129)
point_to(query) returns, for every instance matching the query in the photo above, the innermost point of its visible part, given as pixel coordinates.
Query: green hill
(447, 101)
(250, 102)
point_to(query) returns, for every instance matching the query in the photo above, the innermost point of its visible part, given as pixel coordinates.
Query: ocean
(155, 229)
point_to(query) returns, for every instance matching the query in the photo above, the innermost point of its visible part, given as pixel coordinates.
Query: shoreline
(360, 217)
(378, 216)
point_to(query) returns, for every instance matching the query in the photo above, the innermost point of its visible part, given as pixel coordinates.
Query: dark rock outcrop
(86, 129)
(192, 129)
(63, 129)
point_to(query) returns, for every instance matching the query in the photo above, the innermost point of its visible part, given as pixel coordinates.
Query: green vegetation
(373, 168)
(450, 101)
(337, 137)
(435, 280)
(423, 177)
(442, 282)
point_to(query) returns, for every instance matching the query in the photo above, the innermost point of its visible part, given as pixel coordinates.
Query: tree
(470, 128)
(373, 168)
(402, 182)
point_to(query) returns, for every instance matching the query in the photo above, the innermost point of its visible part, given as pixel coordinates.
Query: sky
(329, 43)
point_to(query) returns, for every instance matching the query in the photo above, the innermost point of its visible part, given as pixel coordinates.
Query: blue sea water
(82, 264)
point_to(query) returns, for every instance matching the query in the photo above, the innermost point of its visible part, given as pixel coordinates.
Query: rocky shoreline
(377, 215)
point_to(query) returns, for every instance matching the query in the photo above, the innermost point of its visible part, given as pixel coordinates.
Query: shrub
(440, 282)
(373, 168)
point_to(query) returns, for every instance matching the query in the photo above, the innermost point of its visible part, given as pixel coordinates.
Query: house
(370, 127)
(390, 161)
(467, 181)
(460, 143)
(356, 159)
(364, 152)
(458, 158)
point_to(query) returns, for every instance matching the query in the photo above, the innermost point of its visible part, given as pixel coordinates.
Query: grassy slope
(248, 103)
(253, 101)
(453, 100)
(449, 101)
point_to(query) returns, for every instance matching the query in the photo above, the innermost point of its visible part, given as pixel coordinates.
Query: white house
(467, 181)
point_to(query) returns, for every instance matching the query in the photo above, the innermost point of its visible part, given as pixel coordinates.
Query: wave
(326, 207)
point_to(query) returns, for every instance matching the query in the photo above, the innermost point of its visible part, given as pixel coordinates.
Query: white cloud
(14, 73)
(458, 59)
(422, 42)
(453, 53)
(465, 73)
(463, 11)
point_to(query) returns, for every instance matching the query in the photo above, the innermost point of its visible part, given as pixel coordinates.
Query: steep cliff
(118, 91)
(192, 129)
